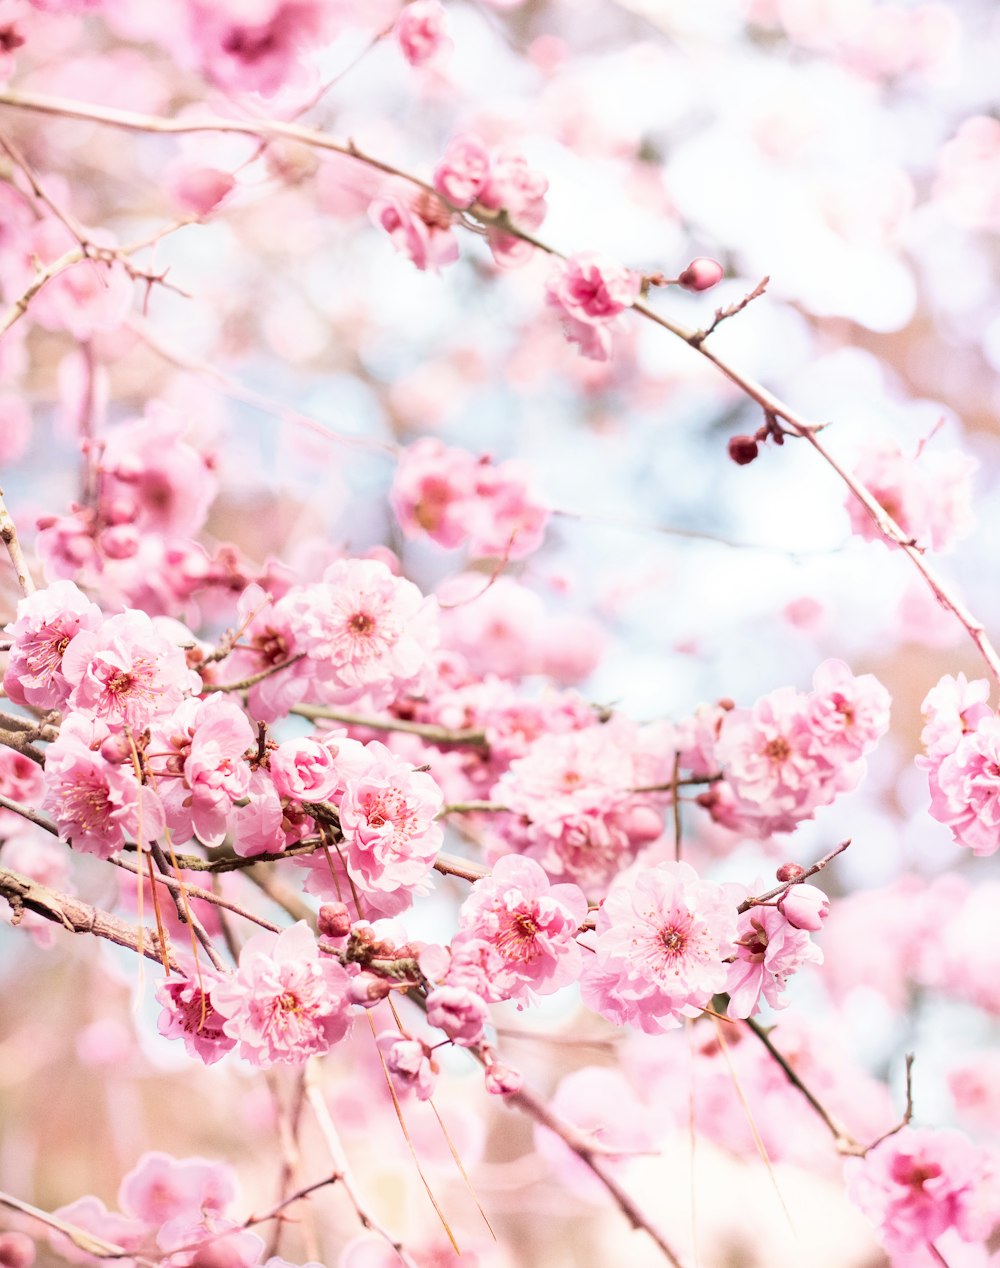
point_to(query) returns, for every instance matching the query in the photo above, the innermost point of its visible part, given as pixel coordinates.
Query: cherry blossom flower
(153, 478)
(459, 1012)
(409, 1063)
(918, 1184)
(455, 499)
(419, 226)
(572, 808)
(365, 631)
(160, 1188)
(531, 924)
(286, 1002)
(259, 47)
(463, 170)
(663, 936)
(204, 771)
(387, 816)
(769, 949)
(305, 770)
(590, 291)
(847, 714)
(422, 32)
(189, 1014)
(47, 621)
(126, 672)
(96, 804)
(929, 498)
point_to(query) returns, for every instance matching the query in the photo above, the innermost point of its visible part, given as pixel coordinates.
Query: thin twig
(426, 730)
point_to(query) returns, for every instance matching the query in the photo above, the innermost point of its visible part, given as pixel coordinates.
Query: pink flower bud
(334, 920)
(501, 1080)
(120, 541)
(367, 990)
(789, 872)
(17, 1250)
(121, 511)
(805, 907)
(701, 274)
(116, 750)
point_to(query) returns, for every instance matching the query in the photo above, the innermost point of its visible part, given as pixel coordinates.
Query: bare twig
(723, 314)
(426, 730)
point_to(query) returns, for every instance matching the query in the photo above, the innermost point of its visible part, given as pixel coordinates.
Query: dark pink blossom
(590, 291)
(419, 226)
(769, 949)
(459, 1012)
(189, 1014)
(421, 31)
(918, 1184)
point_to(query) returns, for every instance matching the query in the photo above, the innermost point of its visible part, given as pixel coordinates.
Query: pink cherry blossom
(258, 47)
(459, 1012)
(590, 291)
(663, 936)
(769, 949)
(189, 1014)
(161, 1188)
(286, 1002)
(455, 499)
(387, 816)
(97, 805)
(463, 170)
(199, 758)
(929, 497)
(305, 770)
(422, 32)
(918, 1184)
(47, 621)
(419, 226)
(965, 788)
(126, 672)
(153, 478)
(365, 631)
(847, 715)
(409, 1063)
(531, 924)
(573, 809)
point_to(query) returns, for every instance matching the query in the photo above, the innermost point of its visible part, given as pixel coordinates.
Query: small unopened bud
(334, 920)
(701, 274)
(117, 750)
(367, 990)
(17, 1250)
(743, 449)
(501, 1080)
(120, 541)
(789, 872)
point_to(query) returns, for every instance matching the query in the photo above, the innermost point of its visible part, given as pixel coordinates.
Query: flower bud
(116, 750)
(743, 449)
(334, 920)
(367, 990)
(701, 274)
(17, 1250)
(805, 907)
(501, 1080)
(789, 872)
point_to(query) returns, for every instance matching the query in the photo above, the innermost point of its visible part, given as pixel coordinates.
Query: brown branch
(202, 895)
(787, 885)
(723, 314)
(426, 730)
(30, 813)
(8, 532)
(590, 1154)
(76, 916)
(842, 1138)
